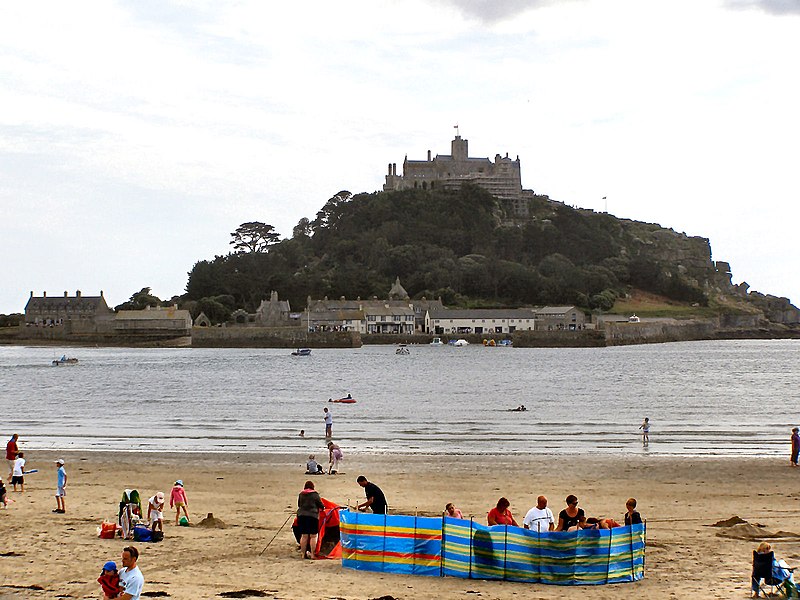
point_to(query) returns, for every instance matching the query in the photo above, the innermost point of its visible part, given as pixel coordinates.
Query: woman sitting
(571, 518)
(501, 515)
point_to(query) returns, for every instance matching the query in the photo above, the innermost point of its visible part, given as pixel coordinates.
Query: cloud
(492, 11)
(775, 7)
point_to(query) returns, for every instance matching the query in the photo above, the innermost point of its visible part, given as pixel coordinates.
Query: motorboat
(403, 350)
(460, 342)
(489, 342)
(634, 319)
(437, 341)
(302, 352)
(505, 343)
(64, 360)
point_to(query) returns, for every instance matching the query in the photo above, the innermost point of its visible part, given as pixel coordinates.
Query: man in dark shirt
(375, 498)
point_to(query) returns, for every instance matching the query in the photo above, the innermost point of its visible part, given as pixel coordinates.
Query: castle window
(424, 185)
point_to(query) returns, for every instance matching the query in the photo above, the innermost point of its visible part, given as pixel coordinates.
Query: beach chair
(775, 574)
(130, 512)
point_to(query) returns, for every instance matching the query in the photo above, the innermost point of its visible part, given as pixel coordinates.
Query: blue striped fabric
(461, 548)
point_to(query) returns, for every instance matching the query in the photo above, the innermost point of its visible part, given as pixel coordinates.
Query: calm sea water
(703, 398)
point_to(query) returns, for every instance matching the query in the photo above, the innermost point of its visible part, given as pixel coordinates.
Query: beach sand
(254, 495)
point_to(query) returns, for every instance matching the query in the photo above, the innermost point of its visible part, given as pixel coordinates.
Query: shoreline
(254, 494)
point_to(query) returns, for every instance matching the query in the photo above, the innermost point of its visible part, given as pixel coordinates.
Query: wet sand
(255, 494)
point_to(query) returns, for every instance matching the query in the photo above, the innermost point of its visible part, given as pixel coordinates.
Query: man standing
(795, 446)
(540, 517)
(130, 577)
(375, 498)
(18, 474)
(328, 423)
(11, 454)
(60, 485)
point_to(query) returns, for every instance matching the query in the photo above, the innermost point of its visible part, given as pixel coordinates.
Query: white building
(479, 320)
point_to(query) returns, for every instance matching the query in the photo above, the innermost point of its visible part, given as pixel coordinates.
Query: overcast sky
(134, 137)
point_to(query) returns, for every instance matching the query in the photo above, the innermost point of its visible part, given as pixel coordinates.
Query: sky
(136, 136)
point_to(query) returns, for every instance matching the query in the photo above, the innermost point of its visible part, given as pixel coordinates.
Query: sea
(704, 398)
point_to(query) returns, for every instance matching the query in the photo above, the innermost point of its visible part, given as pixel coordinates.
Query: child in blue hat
(109, 580)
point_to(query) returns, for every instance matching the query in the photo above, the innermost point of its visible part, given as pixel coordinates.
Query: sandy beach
(46, 555)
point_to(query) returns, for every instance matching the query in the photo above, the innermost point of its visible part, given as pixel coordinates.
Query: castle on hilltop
(500, 178)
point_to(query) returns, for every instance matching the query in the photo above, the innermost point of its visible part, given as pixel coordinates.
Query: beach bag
(108, 531)
(157, 536)
(184, 522)
(142, 533)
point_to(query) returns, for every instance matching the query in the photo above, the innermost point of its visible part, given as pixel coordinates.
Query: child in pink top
(177, 499)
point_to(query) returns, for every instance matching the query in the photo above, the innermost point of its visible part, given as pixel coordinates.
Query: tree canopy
(460, 245)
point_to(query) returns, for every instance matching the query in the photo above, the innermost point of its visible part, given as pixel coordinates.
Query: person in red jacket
(109, 580)
(11, 454)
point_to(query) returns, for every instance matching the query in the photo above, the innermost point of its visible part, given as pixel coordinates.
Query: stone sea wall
(271, 337)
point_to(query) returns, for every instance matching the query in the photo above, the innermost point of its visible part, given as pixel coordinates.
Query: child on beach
(312, 466)
(3, 496)
(155, 511)
(109, 580)
(335, 456)
(645, 427)
(177, 499)
(18, 476)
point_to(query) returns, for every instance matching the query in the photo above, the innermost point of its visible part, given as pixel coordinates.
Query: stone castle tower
(500, 178)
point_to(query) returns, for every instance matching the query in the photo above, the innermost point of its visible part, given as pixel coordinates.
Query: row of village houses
(398, 314)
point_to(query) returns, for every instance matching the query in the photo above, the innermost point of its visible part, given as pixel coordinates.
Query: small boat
(489, 342)
(302, 352)
(402, 349)
(505, 343)
(64, 361)
(460, 342)
(348, 400)
(634, 319)
(437, 341)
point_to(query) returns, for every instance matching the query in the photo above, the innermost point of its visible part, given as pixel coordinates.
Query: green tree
(254, 236)
(139, 301)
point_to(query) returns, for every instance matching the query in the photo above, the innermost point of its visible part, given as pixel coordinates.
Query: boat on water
(346, 400)
(402, 349)
(634, 319)
(64, 360)
(437, 341)
(302, 352)
(505, 343)
(459, 342)
(489, 342)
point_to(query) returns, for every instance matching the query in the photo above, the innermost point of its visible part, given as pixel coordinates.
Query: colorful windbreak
(462, 548)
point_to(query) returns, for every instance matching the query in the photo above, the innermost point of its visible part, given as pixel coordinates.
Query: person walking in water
(328, 423)
(795, 446)
(645, 427)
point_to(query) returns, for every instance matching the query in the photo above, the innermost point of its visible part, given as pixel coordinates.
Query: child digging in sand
(177, 499)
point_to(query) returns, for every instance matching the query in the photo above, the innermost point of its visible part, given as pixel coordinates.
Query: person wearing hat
(155, 511)
(61, 484)
(109, 580)
(177, 499)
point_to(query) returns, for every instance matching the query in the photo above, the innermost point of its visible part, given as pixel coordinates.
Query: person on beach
(313, 467)
(130, 576)
(335, 456)
(308, 506)
(3, 494)
(501, 514)
(328, 422)
(571, 518)
(178, 501)
(632, 517)
(109, 580)
(600, 523)
(452, 511)
(11, 454)
(18, 472)
(795, 446)
(61, 484)
(645, 427)
(375, 498)
(540, 517)
(155, 511)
